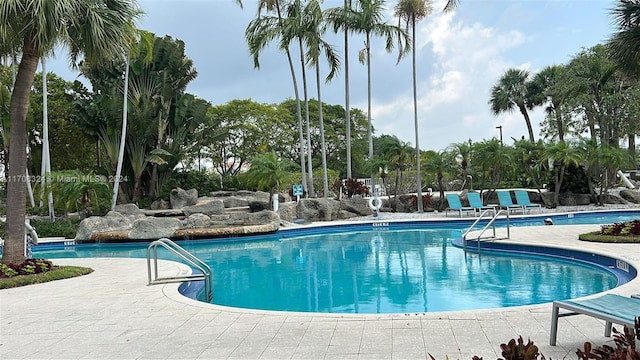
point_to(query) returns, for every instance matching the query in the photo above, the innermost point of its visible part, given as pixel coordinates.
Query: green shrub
(66, 227)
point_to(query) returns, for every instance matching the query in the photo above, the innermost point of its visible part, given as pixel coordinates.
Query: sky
(459, 56)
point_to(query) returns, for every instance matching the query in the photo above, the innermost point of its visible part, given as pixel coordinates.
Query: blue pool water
(380, 267)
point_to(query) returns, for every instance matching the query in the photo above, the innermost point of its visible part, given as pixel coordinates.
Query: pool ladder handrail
(491, 223)
(205, 271)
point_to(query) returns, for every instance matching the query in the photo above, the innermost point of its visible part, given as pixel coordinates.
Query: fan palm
(92, 29)
(543, 89)
(509, 93)
(412, 11)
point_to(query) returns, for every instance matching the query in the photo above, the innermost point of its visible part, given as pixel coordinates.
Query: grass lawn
(56, 273)
(598, 237)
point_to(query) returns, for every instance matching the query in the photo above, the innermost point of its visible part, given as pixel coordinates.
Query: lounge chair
(610, 308)
(456, 205)
(522, 199)
(504, 198)
(476, 202)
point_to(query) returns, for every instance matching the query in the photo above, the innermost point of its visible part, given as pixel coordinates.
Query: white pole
(123, 133)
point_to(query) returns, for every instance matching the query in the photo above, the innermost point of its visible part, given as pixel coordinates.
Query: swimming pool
(381, 267)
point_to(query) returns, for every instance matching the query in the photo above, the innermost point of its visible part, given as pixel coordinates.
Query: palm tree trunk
(415, 115)
(370, 128)
(312, 192)
(559, 123)
(527, 120)
(347, 110)
(325, 179)
(308, 188)
(13, 251)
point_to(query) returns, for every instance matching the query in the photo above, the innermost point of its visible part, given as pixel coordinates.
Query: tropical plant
(624, 44)
(399, 158)
(543, 90)
(268, 172)
(510, 93)
(562, 154)
(259, 33)
(96, 31)
(312, 36)
(412, 11)
(76, 191)
(494, 161)
(367, 17)
(436, 163)
(611, 159)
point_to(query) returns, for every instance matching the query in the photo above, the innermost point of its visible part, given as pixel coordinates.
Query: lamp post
(500, 128)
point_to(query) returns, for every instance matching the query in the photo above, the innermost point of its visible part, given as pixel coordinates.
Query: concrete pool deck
(112, 314)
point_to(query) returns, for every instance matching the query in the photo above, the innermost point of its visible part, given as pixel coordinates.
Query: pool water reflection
(388, 272)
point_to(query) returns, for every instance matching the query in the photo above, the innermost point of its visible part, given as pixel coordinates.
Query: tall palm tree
(296, 28)
(94, 30)
(412, 11)
(312, 36)
(259, 33)
(509, 93)
(367, 17)
(338, 17)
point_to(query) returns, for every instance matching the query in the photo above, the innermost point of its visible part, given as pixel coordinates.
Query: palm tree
(399, 158)
(436, 163)
(509, 93)
(259, 33)
(494, 160)
(338, 17)
(367, 18)
(611, 159)
(94, 30)
(562, 154)
(312, 36)
(625, 43)
(543, 90)
(413, 11)
(462, 154)
(268, 171)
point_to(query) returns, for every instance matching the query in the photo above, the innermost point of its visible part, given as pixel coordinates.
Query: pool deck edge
(112, 313)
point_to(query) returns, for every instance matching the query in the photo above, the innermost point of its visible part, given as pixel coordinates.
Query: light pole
(500, 128)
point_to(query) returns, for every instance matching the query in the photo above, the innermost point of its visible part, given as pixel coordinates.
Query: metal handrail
(491, 223)
(206, 274)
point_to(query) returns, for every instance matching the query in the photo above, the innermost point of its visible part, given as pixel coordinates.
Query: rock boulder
(151, 228)
(180, 198)
(632, 196)
(207, 206)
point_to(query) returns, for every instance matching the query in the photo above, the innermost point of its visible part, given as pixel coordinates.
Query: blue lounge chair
(456, 205)
(610, 308)
(504, 198)
(476, 202)
(522, 199)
